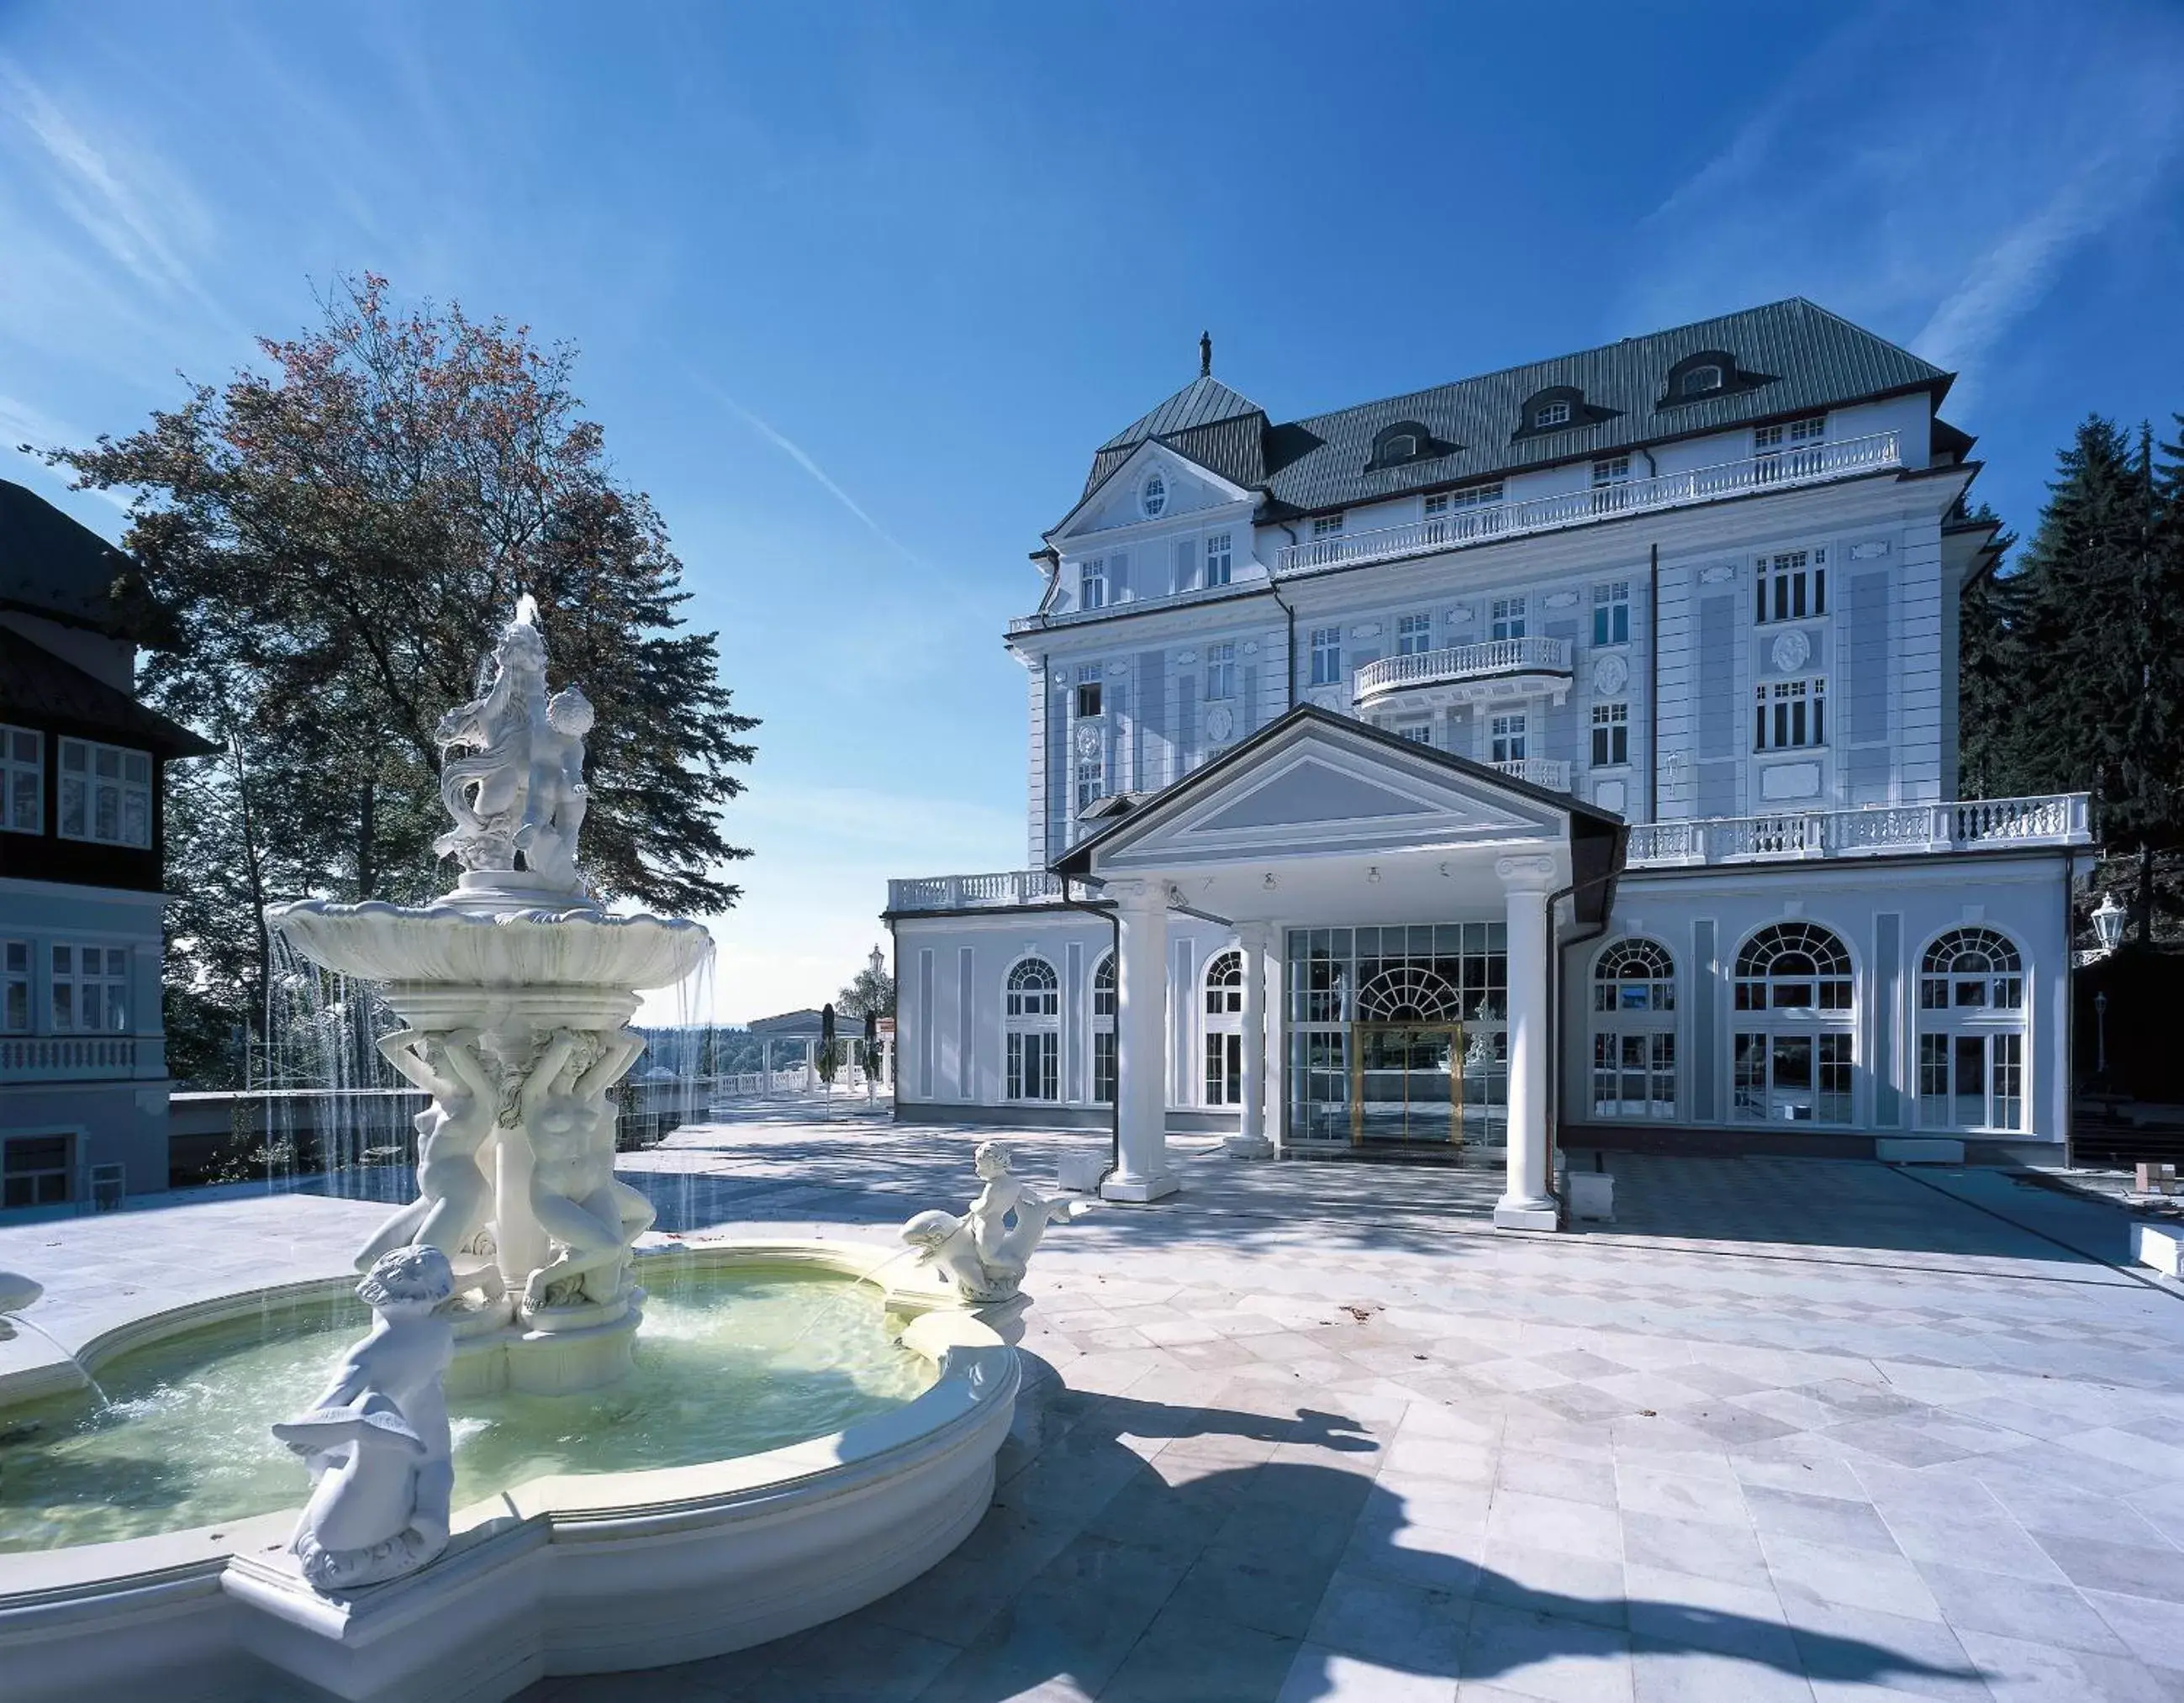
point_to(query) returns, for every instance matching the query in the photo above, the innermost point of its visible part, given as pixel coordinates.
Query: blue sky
(858, 288)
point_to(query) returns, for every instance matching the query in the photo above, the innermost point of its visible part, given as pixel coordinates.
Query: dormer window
(1558, 408)
(1405, 440)
(1152, 496)
(1707, 373)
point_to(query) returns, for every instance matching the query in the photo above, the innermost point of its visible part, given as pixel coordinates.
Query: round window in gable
(1153, 496)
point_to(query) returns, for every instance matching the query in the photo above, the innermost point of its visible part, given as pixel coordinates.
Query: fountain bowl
(570, 1574)
(454, 945)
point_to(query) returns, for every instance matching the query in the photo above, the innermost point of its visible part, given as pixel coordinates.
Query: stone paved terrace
(1788, 1429)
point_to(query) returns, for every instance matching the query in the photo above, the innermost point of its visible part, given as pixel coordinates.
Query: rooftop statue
(517, 788)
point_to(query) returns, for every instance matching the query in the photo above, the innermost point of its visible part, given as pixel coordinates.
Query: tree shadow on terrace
(1249, 1558)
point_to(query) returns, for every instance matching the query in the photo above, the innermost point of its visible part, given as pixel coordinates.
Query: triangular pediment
(1187, 488)
(1315, 785)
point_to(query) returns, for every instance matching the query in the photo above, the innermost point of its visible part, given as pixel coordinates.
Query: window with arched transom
(1795, 1040)
(1224, 1027)
(1032, 1038)
(1971, 1031)
(1633, 1030)
(1103, 1031)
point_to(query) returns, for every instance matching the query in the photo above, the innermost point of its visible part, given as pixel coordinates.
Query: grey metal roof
(53, 564)
(1809, 358)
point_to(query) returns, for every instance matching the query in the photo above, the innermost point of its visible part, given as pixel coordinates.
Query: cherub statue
(485, 791)
(592, 1217)
(453, 1196)
(556, 797)
(985, 1252)
(376, 1442)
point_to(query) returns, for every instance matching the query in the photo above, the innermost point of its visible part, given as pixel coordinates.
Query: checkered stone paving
(1787, 1429)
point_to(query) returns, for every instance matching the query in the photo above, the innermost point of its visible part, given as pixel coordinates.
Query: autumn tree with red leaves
(323, 552)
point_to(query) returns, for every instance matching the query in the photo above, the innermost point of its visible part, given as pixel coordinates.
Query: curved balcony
(1466, 673)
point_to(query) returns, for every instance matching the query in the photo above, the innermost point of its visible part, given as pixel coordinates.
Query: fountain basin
(559, 1573)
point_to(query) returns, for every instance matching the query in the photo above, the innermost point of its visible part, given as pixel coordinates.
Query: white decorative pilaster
(1251, 1140)
(1141, 1167)
(1527, 883)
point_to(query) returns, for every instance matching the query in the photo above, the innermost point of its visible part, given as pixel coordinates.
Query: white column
(1276, 1036)
(1250, 1139)
(1141, 1169)
(1525, 1204)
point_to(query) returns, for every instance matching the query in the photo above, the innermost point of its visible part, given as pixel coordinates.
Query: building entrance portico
(1413, 896)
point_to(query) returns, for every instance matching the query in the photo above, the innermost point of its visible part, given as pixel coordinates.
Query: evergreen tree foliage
(323, 552)
(2072, 673)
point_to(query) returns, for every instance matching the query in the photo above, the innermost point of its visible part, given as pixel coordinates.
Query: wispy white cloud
(92, 188)
(788, 447)
(1938, 208)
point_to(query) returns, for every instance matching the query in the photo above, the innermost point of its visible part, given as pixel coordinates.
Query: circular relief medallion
(1791, 650)
(1610, 674)
(1087, 739)
(1220, 723)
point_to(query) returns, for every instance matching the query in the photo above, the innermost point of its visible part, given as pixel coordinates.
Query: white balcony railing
(1551, 772)
(1810, 465)
(1461, 662)
(2058, 818)
(975, 892)
(78, 1058)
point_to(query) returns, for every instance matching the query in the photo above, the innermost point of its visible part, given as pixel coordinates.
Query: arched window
(1793, 966)
(1405, 440)
(1408, 993)
(1103, 1031)
(1795, 1038)
(1224, 1025)
(1971, 1031)
(1031, 1015)
(1633, 1030)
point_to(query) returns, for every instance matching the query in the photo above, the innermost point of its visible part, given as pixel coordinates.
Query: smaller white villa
(1562, 756)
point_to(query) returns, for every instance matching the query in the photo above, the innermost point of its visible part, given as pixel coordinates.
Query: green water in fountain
(730, 1361)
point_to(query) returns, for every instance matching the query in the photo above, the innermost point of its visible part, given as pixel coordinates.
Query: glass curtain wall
(1397, 1033)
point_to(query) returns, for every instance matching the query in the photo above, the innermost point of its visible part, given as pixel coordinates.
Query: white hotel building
(1566, 756)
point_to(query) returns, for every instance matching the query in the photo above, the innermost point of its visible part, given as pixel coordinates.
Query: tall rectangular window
(106, 794)
(1326, 655)
(1413, 635)
(1326, 525)
(1611, 613)
(90, 990)
(1092, 582)
(1507, 619)
(1504, 739)
(1225, 1069)
(1611, 735)
(1034, 1064)
(22, 781)
(1088, 691)
(1186, 563)
(1417, 732)
(1091, 778)
(1220, 559)
(14, 986)
(1792, 586)
(1790, 715)
(1221, 671)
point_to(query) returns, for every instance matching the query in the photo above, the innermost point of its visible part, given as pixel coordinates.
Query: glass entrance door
(1407, 1083)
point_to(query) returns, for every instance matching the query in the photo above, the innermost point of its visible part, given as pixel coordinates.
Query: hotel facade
(1566, 756)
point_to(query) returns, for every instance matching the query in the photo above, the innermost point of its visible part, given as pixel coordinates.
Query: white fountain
(516, 987)
(815, 1423)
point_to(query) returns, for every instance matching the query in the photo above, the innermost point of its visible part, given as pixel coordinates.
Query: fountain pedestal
(516, 988)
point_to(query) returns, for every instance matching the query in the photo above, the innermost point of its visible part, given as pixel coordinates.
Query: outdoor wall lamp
(2108, 922)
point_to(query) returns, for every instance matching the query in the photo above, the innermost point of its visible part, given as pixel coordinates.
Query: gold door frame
(1454, 1031)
